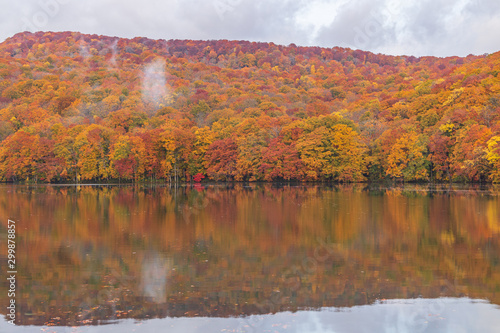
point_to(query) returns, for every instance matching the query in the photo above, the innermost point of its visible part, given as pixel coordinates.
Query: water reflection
(155, 272)
(402, 316)
(94, 254)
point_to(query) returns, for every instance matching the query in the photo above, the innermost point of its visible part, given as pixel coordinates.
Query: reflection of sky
(448, 315)
(154, 278)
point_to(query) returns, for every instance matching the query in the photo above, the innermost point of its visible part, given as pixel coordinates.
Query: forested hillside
(77, 107)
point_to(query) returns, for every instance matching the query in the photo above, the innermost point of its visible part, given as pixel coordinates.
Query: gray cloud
(361, 24)
(427, 27)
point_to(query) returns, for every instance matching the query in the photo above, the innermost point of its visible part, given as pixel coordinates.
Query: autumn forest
(82, 108)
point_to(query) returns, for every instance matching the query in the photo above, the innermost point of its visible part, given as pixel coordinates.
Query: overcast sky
(423, 27)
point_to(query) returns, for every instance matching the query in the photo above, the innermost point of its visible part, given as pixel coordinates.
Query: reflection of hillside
(88, 254)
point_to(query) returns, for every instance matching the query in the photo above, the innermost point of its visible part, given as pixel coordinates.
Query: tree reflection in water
(94, 254)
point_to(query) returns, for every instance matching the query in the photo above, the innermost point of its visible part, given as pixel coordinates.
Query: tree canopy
(77, 107)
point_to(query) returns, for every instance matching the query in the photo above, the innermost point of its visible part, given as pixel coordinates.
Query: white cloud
(427, 27)
(319, 14)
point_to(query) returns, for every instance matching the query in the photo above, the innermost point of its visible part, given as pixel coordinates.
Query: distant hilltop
(192, 48)
(76, 107)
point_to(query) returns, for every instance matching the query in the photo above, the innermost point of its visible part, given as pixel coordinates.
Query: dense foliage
(77, 107)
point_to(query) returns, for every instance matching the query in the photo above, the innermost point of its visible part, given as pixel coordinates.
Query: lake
(253, 258)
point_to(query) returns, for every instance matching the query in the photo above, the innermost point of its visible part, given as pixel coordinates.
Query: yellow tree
(93, 146)
(493, 157)
(349, 163)
(406, 158)
(168, 147)
(127, 158)
(312, 148)
(334, 153)
(204, 137)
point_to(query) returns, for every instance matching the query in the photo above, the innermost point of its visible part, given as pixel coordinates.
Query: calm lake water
(257, 258)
